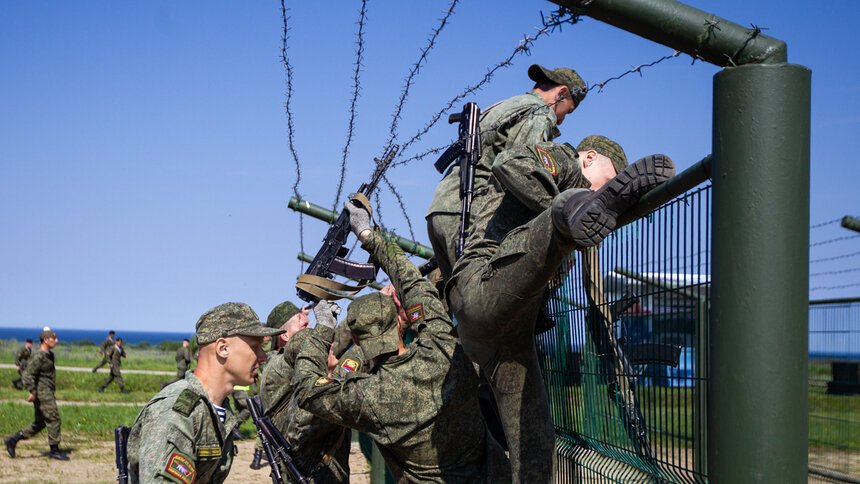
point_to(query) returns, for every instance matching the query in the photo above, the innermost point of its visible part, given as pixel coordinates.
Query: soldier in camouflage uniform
(521, 120)
(39, 381)
(537, 209)
(183, 359)
(184, 434)
(21, 358)
(417, 402)
(115, 356)
(107, 344)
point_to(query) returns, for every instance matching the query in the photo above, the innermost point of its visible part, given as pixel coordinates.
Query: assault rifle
(120, 437)
(468, 150)
(314, 284)
(277, 449)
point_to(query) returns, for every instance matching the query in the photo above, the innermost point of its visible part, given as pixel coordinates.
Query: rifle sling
(322, 288)
(328, 455)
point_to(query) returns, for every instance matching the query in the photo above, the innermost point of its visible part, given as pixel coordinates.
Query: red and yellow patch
(415, 313)
(322, 381)
(547, 160)
(182, 468)
(349, 365)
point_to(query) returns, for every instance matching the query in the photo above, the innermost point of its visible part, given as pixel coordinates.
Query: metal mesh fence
(626, 363)
(834, 390)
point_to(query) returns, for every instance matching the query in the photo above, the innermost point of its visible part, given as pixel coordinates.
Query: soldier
(291, 319)
(21, 358)
(115, 356)
(39, 381)
(418, 402)
(521, 120)
(183, 359)
(107, 344)
(184, 434)
(537, 209)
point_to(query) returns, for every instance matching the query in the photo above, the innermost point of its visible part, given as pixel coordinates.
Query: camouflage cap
(342, 340)
(607, 148)
(373, 321)
(561, 75)
(294, 345)
(47, 333)
(281, 314)
(231, 319)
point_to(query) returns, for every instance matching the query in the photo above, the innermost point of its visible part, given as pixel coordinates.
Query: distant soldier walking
(39, 380)
(21, 358)
(183, 359)
(115, 356)
(107, 344)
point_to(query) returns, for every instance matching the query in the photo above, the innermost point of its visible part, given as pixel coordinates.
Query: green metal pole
(851, 223)
(326, 215)
(377, 466)
(686, 29)
(758, 410)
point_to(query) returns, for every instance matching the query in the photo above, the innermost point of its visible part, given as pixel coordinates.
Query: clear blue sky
(145, 166)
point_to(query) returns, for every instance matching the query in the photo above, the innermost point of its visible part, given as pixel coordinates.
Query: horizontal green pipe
(329, 216)
(844, 300)
(851, 223)
(684, 28)
(306, 258)
(676, 186)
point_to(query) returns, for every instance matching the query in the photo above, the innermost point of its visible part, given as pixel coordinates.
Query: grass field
(140, 357)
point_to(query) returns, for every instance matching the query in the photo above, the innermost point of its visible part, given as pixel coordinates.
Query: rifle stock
(276, 447)
(120, 436)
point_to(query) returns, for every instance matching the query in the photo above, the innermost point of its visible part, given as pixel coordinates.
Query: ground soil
(93, 462)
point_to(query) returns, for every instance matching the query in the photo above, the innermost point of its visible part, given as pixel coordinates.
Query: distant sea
(94, 335)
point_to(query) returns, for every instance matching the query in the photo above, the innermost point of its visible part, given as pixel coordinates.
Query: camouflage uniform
(420, 406)
(321, 448)
(498, 286)
(524, 119)
(107, 344)
(115, 356)
(21, 358)
(183, 359)
(39, 380)
(185, 440)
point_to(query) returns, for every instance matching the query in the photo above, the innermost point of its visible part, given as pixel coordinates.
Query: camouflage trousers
(101, 363)
(46, 414)
(114, 375)
(239, 397)
(443, 229)
(180, 375)
(496, 301)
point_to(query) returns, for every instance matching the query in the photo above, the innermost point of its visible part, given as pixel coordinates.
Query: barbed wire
(395, 119)
(837, 257)
(356, 87)
(752, 34)
(633, 69)
(830, 273)
(402, 205)
(822, 224)
(821, 288)
(837, 239)
(285, 60)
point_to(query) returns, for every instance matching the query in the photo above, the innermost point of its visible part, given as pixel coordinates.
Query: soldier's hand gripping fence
(316, 283)
(120, 437)
(468, 150)
(278, 450)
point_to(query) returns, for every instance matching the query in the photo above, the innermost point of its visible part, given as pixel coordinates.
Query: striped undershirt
(222, 412)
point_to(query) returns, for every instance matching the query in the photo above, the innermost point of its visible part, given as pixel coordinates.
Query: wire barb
(285, 60)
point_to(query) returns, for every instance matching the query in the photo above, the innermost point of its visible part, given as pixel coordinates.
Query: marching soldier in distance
(21, 358)
(115, 356)
(184, 434)
(39, 380)
(183, 359)
(107, 344)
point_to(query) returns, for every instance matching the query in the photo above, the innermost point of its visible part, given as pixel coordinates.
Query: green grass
(94, 421)
(140, 357)
(83, 386)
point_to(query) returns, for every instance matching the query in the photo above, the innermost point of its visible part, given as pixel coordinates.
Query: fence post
(700, 462)
(757, 412)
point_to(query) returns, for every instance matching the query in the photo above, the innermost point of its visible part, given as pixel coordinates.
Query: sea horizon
(95, 335)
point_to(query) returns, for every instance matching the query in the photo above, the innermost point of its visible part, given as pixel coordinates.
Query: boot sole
(597, 218)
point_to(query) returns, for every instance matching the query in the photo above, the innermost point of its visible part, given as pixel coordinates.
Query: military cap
(281, 314)
(605, 147)
(47, 333)
(294, 345)
(564, 76)
(373, 321)
(231, 319)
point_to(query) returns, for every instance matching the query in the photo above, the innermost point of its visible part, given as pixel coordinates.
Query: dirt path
(88, 403)
(103, 370)
(93, 462)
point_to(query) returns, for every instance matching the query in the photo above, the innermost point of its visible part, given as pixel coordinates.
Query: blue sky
(143, 146)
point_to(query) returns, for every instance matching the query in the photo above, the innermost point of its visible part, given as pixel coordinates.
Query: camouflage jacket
(183, 356)
(177, 437)
(523, 120)
(115, 356)
(38, 377)
(421, 406)
(107, 344)
(525, 180)
(22, 356)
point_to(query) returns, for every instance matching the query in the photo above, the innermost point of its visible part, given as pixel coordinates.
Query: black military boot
(591, 216)
(56, 454)
(12, 441)
(17, 384)
(255, 463)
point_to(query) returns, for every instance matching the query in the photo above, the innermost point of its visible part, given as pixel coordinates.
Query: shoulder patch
(349, 365)
(185, 402)
(181, 467)
(322, 381)
(414, 313)
(547, 160)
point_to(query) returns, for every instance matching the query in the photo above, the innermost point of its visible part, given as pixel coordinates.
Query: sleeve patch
(547, 160)
(181, 467)
(349, 365)
(322, 381)
(415, 313)
(185, 402)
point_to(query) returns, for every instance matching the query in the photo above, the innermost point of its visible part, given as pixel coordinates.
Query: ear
(588, 158)
(221, 347)
(563, 92)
